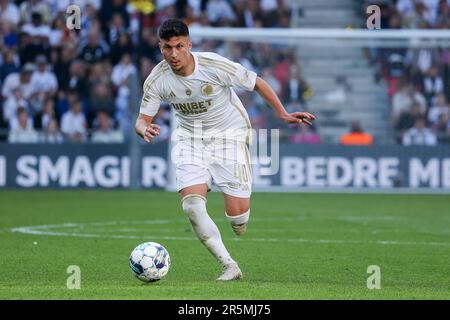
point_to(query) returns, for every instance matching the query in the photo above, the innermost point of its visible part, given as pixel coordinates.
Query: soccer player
(212, 132)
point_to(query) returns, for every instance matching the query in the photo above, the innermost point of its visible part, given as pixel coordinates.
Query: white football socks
(207, 232)
(240, 219)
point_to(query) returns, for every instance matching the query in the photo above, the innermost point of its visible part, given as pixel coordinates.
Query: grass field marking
(366, 218)
(45, 230)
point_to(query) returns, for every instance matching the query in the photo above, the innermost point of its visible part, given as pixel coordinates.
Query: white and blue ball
(149, 262)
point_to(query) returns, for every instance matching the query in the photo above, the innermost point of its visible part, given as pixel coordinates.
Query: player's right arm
(150, 103)
(268, 94)
(145, 128)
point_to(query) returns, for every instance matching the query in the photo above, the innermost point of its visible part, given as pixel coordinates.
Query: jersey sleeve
(233, 74)
(151, 99)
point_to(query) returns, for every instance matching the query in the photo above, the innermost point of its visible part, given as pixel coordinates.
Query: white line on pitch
(45, 230)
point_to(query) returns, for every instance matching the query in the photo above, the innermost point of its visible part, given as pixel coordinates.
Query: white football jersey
(205, 103)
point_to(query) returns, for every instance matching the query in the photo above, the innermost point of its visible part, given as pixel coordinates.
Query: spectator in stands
(121, 78)
(404, 99)
(110, 8)
(73, 124)
(116, 27)
(20, 80)
(100, 73)
(236, 54)
(13, 104)
(51, 133)
(10, 64)
(263, 54)
(146, 66)
(57, 33)
(248, 14)
(44, 80)
(442, 128)
(283, 18)
(220, 13)
(44, 85)
(95, 50)
(439, 107)
(28, 7)
(88, 19)
(101, 100)
(48, 114)
(419, 135)
(62, 67)
(276, 13)
(105, 132)
(339, 93)
(296, 87)
(433, 84)
(122, 46)
(395, 66)
(23, 131)
(64, 101)
(30, 47)
(9, 12)
(281, 70)
(122, 71)
(405, 8)
(149, 46)
(443, 19)
(421, 18)
(189, 15)
(356, 136)
(9, 35)
(407, 119)
(78, 81)
(37, 29)
(420, 60)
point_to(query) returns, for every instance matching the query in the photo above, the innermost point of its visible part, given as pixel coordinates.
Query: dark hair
(173, 28)
(36, 16)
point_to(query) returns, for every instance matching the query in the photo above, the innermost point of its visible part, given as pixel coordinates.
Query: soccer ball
(149, 262)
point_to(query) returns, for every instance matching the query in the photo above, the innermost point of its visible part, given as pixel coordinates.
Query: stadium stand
(80, 75)
(418, 80)
(344, 91)
(47, 69)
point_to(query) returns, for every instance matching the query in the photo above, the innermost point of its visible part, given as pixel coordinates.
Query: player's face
(177, 52)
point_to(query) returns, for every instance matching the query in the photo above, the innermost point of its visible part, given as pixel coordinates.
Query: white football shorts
(224, 162)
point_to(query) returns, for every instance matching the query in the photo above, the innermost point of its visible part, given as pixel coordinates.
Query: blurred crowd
(60, 85)
(418, 78)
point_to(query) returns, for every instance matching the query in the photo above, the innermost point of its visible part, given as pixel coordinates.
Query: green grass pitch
(298, 246)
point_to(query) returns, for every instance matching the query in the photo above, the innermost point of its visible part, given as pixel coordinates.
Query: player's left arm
(264, 89)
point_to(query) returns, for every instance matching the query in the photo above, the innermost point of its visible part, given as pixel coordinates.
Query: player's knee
(194, 206)
(236, 206)
(239, 218)
(237, 209)
(193, 203)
